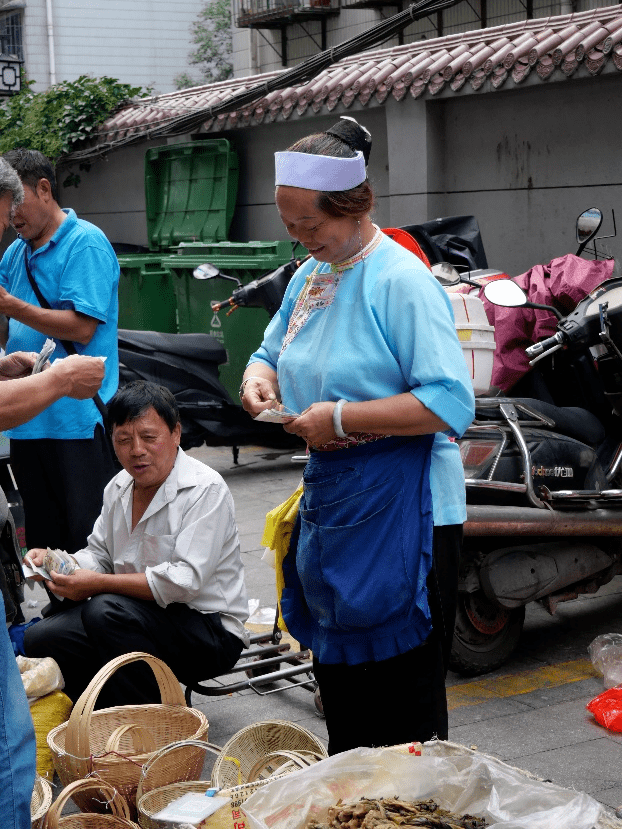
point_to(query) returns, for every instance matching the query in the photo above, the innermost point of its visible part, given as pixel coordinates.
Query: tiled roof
(481, 59)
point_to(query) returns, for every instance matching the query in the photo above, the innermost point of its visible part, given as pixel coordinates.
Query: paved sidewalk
(531, 713)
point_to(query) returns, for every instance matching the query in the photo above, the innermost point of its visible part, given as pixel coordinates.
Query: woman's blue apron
(355, 574)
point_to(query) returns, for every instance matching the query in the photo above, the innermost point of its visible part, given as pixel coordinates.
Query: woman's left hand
(315, 424)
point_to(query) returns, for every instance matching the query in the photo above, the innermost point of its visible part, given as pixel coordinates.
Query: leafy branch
(63, 118)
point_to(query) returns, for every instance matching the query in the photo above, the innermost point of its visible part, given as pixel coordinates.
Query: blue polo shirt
(77, 270)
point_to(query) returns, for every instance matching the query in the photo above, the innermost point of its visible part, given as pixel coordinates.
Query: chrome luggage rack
(509, 423)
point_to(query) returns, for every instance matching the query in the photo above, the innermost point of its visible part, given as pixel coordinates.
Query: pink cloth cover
(563, 283)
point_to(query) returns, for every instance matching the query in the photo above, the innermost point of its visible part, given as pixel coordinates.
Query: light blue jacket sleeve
(421, 333)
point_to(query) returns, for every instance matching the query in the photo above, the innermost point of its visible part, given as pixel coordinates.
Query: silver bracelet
(337, 419)
(246, 380)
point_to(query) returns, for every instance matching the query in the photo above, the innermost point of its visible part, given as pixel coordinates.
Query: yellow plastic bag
(276, 535)
(47, 713)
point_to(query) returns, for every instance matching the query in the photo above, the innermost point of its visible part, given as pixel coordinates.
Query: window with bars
(11, 34)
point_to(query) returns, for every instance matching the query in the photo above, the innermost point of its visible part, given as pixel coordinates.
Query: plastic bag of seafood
(385, 787)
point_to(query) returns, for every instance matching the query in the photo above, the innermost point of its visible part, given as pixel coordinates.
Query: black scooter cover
(453, 239)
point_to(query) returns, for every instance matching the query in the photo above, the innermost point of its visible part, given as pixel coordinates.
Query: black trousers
(61, 483)
(88, 635)
(401, 699)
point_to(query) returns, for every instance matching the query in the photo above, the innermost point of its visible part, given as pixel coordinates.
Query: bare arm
(397, 415)
(64, 324)
(22, 398)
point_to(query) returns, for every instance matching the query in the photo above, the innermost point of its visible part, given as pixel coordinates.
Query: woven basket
(114, 743)
(250, 746)
(154, 790)
(40, 801)
(151, 801)
(106, 795)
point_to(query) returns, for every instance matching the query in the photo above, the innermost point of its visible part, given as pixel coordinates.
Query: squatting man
(161, 572)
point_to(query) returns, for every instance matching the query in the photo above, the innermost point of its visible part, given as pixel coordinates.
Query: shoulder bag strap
(67, 344)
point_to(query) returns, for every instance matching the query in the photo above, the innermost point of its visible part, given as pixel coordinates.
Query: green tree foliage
(62, 118)
(212, 36)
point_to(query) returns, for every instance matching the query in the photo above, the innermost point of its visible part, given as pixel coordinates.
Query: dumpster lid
(190, 192)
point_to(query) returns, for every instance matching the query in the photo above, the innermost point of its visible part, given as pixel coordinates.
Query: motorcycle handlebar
(544, 345)
(216, 305)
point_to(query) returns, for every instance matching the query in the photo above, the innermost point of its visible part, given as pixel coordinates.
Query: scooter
(187, 364)
(543, 481)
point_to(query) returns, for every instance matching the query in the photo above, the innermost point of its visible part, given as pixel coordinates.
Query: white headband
(326, 173)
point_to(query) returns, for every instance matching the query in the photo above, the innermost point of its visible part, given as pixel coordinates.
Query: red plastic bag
(607, 708)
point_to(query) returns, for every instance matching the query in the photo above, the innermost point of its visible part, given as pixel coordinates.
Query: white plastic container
(477, 338)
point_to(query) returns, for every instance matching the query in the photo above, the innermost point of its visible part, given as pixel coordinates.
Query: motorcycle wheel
(484, 635)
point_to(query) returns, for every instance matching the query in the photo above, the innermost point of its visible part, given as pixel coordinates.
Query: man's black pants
(90, 634)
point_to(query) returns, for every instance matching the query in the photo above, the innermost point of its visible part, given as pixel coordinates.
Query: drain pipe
(50, 25)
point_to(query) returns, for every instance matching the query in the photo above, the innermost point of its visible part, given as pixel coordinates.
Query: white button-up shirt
(186, 542)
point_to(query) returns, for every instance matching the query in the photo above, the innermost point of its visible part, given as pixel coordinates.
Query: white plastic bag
(459, 779)
(40, 676)
(606, 655)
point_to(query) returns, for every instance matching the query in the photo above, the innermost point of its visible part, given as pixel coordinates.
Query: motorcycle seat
(571, 421)
(189, 346)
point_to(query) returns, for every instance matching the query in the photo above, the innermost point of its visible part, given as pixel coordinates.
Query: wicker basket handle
(77, 740)
(142, 739)
(161, 753)
(117, 803)
(299, 761)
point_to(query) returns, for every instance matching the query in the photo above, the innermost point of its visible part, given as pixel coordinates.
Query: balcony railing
(277, 13)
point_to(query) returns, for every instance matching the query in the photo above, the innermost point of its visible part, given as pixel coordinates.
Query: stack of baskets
(254, 755)
(114, 743)
(106, 796)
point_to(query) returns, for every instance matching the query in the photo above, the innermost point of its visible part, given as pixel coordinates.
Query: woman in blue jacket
(364, 347)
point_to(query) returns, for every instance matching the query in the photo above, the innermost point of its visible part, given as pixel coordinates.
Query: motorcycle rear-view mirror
(588, 225)
(508, 294)
(206, 271)
(505, 293)
(445, 273)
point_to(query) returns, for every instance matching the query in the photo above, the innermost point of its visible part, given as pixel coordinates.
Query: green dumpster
(190, 194)
(146, 295)
(240, 331)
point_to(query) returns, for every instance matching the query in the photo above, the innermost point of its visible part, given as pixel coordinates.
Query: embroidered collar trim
(344, 265)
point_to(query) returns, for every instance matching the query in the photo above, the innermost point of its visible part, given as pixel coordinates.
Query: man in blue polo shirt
(62, 459)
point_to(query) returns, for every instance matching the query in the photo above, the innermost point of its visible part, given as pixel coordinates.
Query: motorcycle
(543, 480)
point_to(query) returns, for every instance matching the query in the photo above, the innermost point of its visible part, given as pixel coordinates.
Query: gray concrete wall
(527, 162)
(112, 194)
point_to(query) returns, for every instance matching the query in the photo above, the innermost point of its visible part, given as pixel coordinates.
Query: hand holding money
(39, 563)
(81, 375)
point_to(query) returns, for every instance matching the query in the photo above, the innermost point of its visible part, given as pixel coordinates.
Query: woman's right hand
(258, 394)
